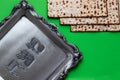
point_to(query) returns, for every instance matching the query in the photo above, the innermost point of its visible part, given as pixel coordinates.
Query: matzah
(114, 28)
(113, 16)
(82, 28)
(78, 21)
(113, 13)
(77, 28)
(77, 8)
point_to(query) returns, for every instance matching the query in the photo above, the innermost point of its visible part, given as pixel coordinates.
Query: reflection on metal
(33, 49)
(1, 78)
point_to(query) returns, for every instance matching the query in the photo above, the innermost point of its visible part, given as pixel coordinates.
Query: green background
(101, 50)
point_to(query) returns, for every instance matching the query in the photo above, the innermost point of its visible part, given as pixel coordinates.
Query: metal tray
(33, 49)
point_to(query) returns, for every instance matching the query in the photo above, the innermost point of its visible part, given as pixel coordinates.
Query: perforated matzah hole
(77, 8)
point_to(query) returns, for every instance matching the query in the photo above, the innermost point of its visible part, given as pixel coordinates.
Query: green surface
(101, 50)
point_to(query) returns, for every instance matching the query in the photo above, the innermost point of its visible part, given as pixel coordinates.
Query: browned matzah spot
(113, 16)
(77, 8)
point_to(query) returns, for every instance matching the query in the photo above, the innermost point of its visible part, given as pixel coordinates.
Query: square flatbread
(77, 8)
(114, 27)
(113, 13)
(83, 28)
(113, 16)
(81, 21)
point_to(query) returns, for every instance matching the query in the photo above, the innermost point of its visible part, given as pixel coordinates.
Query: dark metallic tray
(33, 49)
